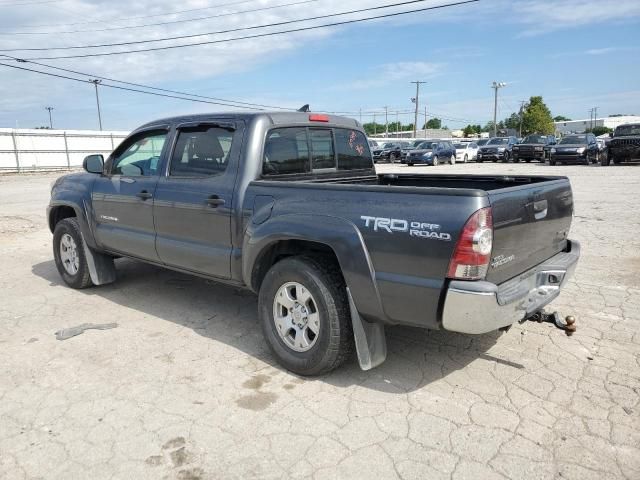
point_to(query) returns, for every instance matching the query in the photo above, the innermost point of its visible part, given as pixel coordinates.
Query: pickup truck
(289, 206)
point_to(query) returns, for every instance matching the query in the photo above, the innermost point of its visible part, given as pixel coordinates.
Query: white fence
(41, 149)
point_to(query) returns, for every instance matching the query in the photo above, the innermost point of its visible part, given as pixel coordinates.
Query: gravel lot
(185, 387)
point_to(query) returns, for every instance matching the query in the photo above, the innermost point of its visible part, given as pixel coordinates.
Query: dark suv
(581, 148)
(498, 148)
(431, 152)
(533, 147)
(390, 151)
(625, 144)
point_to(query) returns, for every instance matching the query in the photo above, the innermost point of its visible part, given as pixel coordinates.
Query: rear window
(295, 150)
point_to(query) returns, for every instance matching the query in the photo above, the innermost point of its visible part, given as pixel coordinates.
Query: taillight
(472, 254)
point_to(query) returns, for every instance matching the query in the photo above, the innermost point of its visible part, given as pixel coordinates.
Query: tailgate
(531, 223)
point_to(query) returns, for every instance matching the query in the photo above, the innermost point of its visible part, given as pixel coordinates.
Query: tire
(464, 160)
(528, 160)
(552, 162)
(435, 161)
(517, 159)
(68, 253)
(506, 157)
(452, 160)
(597, 158)
(410, 164)
(321, 280)
(586, 160)
(479, 160)
(605, 160)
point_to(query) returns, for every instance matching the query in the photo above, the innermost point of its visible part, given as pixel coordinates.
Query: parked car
(390, 151)
(373, 144)
(288, 205)
(432, 152)
(533, 147)
(575, 149)
(466, 151)
(497, 148)
(624, 144)
(481, 141)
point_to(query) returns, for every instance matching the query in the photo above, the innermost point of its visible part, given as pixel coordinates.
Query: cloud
(543, 16)
(390, 73)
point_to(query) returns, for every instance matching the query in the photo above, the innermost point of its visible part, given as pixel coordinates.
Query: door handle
(144, 195)
(215, 201)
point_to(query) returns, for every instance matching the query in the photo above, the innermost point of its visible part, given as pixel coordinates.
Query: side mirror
(93, 163)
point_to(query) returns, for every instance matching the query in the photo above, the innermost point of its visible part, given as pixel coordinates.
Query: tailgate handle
(540, 208)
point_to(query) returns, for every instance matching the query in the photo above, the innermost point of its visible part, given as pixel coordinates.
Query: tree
(536, 118)
(561, 118)
(434, 123)
(513, 121)
(598, 130)
(471, 130)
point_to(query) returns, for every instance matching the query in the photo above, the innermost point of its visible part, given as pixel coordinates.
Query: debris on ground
(67, 333)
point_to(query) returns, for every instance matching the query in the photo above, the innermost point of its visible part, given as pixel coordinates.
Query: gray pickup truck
(288, 205)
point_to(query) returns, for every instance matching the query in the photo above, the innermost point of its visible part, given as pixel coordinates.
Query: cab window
(141, 156)
(201, 151)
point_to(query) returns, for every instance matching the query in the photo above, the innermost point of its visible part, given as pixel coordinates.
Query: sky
(577, 54)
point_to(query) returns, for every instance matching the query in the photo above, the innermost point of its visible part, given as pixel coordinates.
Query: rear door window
(286, 151)
(201, 151)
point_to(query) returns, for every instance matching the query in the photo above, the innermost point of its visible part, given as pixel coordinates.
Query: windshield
(461, 146)
(535, 139)
(573, 139)
(498, 141)
(625, 130)
(482, 142)
(388, 145)
(425, 145)
(417, 142)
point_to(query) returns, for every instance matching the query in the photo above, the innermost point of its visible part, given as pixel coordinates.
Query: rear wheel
(304, 312)
(516, 159)
(506, 157)
(464, 160)
(552, 162)
(68, 253)
(435, 161)
(605, 160)
(452, 160)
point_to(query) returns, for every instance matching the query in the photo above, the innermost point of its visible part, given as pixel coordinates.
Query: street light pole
(96, 82)
(415, 117)
(50, 120)
(386, 121)
(496, 86)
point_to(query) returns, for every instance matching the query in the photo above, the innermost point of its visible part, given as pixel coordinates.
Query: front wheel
(435, 161)
(506, 157)
(68, 253)
(452, 160)
(464, 160)
(304, 312)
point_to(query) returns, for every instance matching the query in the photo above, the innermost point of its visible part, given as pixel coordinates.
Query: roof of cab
(276, 118)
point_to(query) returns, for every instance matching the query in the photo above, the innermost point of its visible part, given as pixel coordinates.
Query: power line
(239, 29)
(111, 20)
(27, 3)
(124, 88)
(226, 101)
(260, 35)
(171, 22)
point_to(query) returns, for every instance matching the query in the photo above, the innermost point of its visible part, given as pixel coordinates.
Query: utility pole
(521, 113)
(595, 117)
(50, 120)
(425, 121)
(590, 118)
(96, 82)
(415, 118)
(374, 124)
(496, 86)
(397, 126)
(386, 121)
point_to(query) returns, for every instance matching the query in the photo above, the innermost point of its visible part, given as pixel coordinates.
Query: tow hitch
(569, 324)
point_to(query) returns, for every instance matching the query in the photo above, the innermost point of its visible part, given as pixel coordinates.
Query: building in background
(579, 126)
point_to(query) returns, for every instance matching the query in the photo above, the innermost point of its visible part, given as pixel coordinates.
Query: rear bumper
(480, 307)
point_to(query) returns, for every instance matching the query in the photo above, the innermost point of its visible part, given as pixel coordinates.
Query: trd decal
(413, 228)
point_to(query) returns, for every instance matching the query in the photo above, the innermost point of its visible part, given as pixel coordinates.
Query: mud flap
(101, 267)
(371, 343)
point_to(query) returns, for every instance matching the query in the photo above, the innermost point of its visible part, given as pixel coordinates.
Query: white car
(466, 151)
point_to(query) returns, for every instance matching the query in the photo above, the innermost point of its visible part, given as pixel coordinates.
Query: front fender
(74, 191)
(341, 235)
